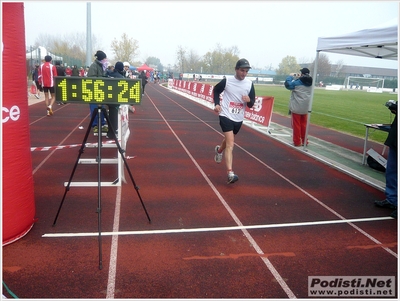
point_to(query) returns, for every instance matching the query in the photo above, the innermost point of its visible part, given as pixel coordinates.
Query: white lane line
(61, 143)
(217, 229)
(114, 247)
(293, 184)
(272, 269)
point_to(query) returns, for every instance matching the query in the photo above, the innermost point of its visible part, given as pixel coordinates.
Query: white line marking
(272, 269)
(114, 247)
(216, 229)
(295, 185)
(61, 143)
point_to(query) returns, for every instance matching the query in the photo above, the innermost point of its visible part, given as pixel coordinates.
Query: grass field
(344, 111)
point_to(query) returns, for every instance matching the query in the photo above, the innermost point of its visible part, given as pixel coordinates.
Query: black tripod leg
(121, 151)
(76, 164)
(99, 110)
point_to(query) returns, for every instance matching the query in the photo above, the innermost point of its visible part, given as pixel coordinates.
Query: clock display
(100, 90)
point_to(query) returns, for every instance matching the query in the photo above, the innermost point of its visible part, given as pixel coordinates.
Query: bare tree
(324, 66)
(221, 60)
(125, 49)
(181, 58)
(193, 61)
(338, 67)
(72, 47)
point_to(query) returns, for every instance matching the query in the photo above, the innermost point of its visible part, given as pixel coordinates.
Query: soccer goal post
(364, 83)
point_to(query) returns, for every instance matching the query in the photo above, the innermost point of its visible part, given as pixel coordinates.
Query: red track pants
(299, 124)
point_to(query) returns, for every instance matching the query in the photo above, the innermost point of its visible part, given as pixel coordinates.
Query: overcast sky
(264, 31)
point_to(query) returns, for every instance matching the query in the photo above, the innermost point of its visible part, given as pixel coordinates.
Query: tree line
(72, 48)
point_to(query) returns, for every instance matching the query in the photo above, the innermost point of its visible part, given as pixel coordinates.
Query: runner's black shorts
(228, 125)
(48, 89)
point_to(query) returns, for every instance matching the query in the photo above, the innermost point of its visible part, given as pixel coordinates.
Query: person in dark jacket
(75, 71)
(98, 69)
(144, 79)
(35, 78)
(299, 103)
(391, 167)
(60, 69)
(60, 72)
(117, 72)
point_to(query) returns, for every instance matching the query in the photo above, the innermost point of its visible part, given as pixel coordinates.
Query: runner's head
(242, 68)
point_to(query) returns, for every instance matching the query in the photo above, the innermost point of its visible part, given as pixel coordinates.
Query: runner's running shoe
(232, 178)
(218, 156)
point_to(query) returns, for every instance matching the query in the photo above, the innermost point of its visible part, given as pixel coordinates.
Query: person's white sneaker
(218, 156)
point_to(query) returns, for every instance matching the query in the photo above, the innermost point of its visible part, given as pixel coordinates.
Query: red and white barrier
(18, 194)
(260, 113)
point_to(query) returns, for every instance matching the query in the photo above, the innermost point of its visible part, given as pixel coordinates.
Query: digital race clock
(99, 90)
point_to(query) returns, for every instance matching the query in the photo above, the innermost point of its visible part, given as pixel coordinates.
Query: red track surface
(182, 187)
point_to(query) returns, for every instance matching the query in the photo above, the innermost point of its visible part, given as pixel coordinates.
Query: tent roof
(39, 54)
(378, 42)
(144, 67)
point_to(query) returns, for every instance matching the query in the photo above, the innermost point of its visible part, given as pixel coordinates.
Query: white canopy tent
(39, 53)
(378, 42)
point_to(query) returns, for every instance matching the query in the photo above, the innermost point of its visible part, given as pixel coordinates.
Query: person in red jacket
(47, 72)
(68, 71)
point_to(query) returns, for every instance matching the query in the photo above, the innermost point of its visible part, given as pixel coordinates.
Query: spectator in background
(299, 103)
(144, 80)
(110, 69)
(81, 72)
(68, 71)
(75, 71)
(35, 79)
(47, 72)
(391, 167)
(117, 72)
(60, 72)
(98, 69)
(127, 72)
(60, 69)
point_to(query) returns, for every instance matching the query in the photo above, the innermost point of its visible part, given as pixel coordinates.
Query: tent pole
(311, 100)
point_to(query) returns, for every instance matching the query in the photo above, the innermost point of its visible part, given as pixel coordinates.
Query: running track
(288, 217)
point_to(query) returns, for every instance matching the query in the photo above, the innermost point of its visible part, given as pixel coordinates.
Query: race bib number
(235, 108)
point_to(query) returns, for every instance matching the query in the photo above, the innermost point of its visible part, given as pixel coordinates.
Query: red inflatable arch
(18, 195)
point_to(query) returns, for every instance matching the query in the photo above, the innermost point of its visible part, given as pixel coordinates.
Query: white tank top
(232, 105)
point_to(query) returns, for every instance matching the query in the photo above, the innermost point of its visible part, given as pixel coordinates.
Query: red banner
(18, 195)
(260, 113)
(195, 89)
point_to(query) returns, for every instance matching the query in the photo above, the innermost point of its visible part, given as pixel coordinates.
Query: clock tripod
(97, 113)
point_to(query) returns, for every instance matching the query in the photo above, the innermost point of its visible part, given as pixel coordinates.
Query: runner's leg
(228, 143)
